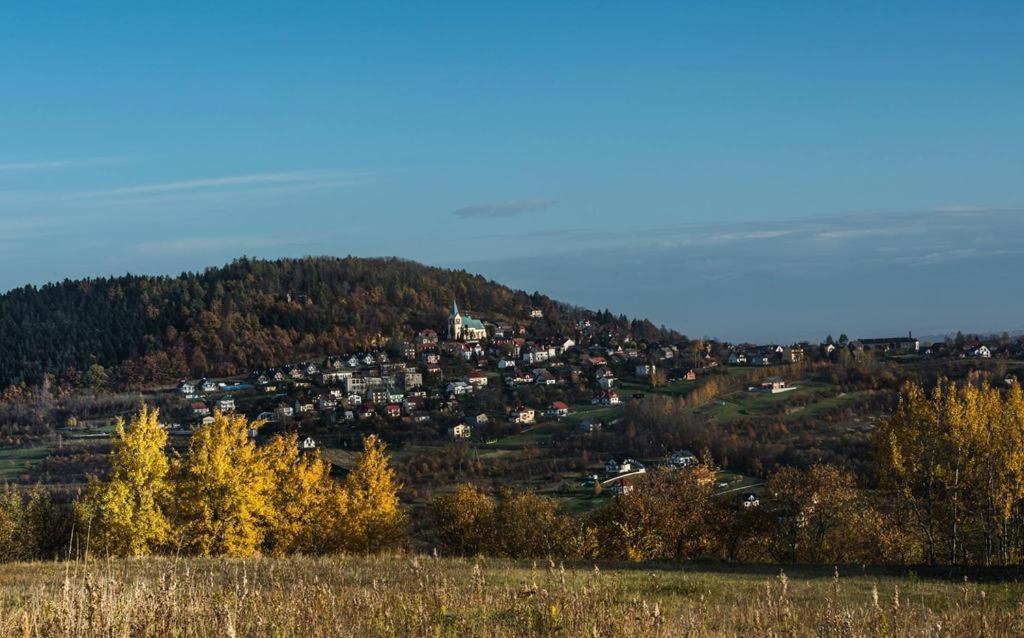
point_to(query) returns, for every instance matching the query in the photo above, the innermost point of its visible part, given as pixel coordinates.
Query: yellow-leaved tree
(301, 499)
(222, 490)
(125, 515)
(368, 516)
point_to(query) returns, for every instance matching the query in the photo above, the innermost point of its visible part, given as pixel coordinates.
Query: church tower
(454, 323)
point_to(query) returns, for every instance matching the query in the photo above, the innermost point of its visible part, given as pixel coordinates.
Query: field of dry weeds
(425, 596)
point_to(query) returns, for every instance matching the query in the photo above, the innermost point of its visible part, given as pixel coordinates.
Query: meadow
(404, 595)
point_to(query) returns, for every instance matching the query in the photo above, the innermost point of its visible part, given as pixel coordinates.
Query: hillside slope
(247, 314)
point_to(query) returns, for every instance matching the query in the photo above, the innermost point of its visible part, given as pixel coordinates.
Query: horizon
(751, 172)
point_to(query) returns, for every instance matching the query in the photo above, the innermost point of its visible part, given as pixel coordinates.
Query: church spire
(455, 308)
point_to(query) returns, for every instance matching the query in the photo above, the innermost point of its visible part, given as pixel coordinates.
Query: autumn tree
(126, 514)
(819, 515)
(465, 520)
(951, 462)
(369, 516)
(670, 514)
(300, 498)
(527, 525)
(222, 490)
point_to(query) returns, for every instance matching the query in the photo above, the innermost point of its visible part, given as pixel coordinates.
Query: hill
(250, 313)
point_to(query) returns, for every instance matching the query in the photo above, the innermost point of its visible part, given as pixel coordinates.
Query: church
(463, 327)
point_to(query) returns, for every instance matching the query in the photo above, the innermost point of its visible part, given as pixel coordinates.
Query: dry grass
(422, 596)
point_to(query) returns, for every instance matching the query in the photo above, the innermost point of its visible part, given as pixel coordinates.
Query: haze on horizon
(749, 171)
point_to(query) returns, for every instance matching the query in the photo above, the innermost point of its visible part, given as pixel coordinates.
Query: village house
(524, 416)
(460, 431)
(307, 444)
(772, 385)
(187, 388)
(543, 376)
(412, 405)
(904, 345)
(759, 360)
(199, 409)
(535, 355)
(459, 388)
(226, 404)
(625, 466)
(412, 379)
(644, 370)
(979, 352)
(393, 410)
(793, 354)
(518, 378)
(558, 409)
(426, 338)
(477, 378)
(683, 458)
(589, 426)
(737, 359)
(207, 386)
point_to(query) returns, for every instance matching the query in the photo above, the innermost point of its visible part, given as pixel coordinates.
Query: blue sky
(744, 169)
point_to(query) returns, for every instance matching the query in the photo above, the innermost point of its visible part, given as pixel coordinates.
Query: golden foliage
(125, 515)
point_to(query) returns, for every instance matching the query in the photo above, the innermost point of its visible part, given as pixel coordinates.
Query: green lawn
(745, 404)
(14, 461)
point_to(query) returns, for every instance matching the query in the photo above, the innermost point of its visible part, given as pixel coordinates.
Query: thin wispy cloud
(503, 209)
(43, 165)
(221, 183)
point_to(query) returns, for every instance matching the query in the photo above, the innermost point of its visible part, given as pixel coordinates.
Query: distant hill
(245, 315)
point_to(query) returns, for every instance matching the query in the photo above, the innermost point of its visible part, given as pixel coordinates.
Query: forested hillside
(248, 314)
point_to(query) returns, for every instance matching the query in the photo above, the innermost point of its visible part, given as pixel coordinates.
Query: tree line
(227, 496)
(949, 490)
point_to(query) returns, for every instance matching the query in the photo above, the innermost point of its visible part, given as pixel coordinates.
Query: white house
(981, 352)
(525, 416)
(683, 458)
(459, 388)
(460, 431)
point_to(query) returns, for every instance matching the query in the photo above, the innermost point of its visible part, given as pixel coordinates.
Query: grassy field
(743, 403)
(15, 461)
(423, 596)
